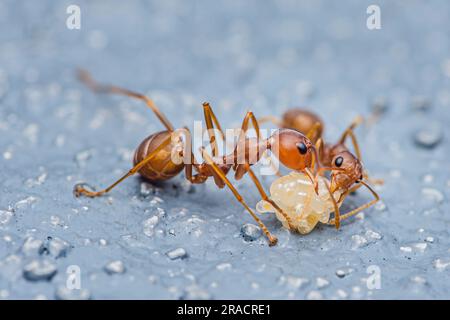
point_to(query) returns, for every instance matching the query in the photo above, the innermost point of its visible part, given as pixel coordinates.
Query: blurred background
(176, 241)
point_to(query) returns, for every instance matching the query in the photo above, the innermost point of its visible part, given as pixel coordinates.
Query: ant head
(347, 170)
(292, 148)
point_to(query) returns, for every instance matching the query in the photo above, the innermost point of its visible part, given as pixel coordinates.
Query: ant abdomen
(303, 121)
(161, 166)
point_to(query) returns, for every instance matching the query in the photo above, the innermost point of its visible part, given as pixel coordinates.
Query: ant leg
(86, 78)
(362, 207)
(272, 239)
(276, 121)
(337, 214)
(315, 132)
(191, 161)
(349, 133)
(244, 128)
(79, 190)
(317, 154)
(211, 120)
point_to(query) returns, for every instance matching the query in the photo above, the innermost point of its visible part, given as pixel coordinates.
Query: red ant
(154, 159)
(347, 171)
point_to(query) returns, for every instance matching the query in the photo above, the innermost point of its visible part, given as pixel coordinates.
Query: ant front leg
(211, 119)
(349, 132)
(360, 208)
(79, 190)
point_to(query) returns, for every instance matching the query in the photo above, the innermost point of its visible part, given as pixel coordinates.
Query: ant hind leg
(80, 190)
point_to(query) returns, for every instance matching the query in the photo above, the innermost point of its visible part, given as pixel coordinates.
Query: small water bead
(56, 247)
(115, 267)
(358, 241)
(433, 194)
(250, 232)
(5, 216)
(441, 264)
(322, 282)
(428, 137)
(149, 225)
(25, 202)
(82, 157)
(341, 273)
(178, 253)
(32, 246)
(224, 266)
(64, 293)
(39, 270)
(293, 282)
(195, 292)
(429, 239)
(314, 295)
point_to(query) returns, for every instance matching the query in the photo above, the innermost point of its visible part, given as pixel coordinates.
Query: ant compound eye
(338, 162)
(302, 148)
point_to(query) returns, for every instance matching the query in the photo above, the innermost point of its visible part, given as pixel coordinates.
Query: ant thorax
(294, 194)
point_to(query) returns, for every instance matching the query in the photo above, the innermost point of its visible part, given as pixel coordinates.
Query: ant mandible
(347, 172)
(154, 160)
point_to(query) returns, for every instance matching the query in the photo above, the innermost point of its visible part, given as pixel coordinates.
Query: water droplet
(82, 157)
(293, 282)
(341, 273)
(433, 194)
(406, 249)
(224, 266)
(358, 241)
(147, 189)
(4, 294)
(428, 178)
(149, 226)
(429, 239)
(194, 292)
(63, 293)
(25, 202)
(39, 270)
(441, 264)
(373, 235)
(420, 246)
(322, 282)
(31, 132)
(37, 181)
(314, 295)
(428, 137)
(56, 247)
(419, 280)
(341, 294)
(32, 246)
(5, 216)
(178, 253)
(114, 267)
(250, 232)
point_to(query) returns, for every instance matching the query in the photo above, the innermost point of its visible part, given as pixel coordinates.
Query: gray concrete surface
(173, 241)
